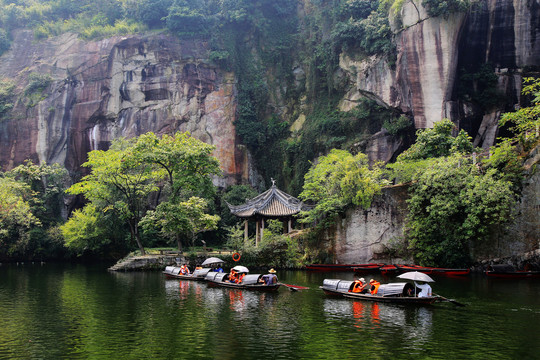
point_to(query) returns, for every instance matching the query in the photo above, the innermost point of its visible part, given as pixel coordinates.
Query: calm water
(80, 312)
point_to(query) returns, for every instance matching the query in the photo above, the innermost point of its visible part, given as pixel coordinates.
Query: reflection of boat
(341, 267)
(249, 282)
(197, 275)
(403, 292)
(508, 271)
(433, 270)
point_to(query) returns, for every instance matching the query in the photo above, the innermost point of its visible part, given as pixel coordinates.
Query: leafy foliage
(30, 202)
(525, 122)
(7, 88)
(125, 178)
(437, 142)
(337, 181)
(452, 205)
(446, 7)
(455, 200)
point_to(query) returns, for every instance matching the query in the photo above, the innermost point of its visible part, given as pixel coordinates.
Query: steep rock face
(122, 86)
(421, 82)
(430, 51)
(366, 235)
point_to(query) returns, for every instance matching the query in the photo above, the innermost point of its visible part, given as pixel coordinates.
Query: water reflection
(414, 322)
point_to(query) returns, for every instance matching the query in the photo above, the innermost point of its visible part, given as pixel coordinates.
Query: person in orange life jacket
(359, 285)
(374, 286)
(240, 278)
(184, 270)
(232, 276)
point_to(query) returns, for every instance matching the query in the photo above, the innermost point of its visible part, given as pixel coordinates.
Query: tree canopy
(339, 180)
(124, 179)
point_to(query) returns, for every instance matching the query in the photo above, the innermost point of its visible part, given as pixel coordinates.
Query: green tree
(453, 205)
(339, 180)
(16, 218)
(525, 123)
(120, 183)
(185, 163)
(178, 220)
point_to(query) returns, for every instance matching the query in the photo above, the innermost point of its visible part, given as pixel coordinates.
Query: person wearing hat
(359, 285)
(270, 278)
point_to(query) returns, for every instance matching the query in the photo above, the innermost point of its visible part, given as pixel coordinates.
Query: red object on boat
(433, 270)
(340, 267)
(388, 269)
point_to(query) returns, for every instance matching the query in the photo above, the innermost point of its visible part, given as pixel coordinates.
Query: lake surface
(56, 311)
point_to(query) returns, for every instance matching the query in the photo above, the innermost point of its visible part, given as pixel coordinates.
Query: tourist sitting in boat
(232, 276)
(359, 286)
(198, 267)
(270, 278)
(184, 270)
(425, 289)
(239, 278)
(219, 269)
(374, 286)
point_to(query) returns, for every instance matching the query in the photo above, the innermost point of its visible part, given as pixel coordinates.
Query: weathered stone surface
(365, 235)
(504, 33)
(122, 86)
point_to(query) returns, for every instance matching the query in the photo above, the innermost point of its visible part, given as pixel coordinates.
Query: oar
(295, 287)
(450, 300)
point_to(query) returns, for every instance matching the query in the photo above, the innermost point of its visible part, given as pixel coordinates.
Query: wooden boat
(367, 268)
(388, 270)
(341, 267)
(250, 282)
(401, 293)
(433, 270)
(509, 272)
(173, 272)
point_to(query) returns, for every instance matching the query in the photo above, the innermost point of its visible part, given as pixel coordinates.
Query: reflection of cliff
(123, 86)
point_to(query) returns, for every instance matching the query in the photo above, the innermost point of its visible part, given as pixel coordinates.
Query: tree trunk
(179, 242)
(135, 234)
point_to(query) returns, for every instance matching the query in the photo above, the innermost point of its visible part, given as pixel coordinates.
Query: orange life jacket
(358, 286)
(240, 278)
(375, 287)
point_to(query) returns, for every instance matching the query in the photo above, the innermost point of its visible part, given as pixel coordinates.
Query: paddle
(295, 287)
(450, 300)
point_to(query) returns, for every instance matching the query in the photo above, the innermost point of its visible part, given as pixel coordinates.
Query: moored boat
(173, 272)
(249, 282)
(508, 271)
(402, 292)
(433, 270)
(342, 267)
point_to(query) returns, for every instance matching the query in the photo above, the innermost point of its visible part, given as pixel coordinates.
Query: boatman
(270, 278)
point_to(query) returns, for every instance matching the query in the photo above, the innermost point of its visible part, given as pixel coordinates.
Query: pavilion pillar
(262, 228)
(257, 232)
(245, 231)
(290, 225)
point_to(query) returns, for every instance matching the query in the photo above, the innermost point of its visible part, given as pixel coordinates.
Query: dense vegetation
(285, 67)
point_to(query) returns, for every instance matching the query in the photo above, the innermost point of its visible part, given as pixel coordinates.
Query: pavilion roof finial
(273, 182)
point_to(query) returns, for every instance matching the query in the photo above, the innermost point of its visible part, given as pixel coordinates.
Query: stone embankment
(146, 262)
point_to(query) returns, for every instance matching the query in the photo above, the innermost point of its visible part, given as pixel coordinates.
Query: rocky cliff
(424, 80)
(122, 86)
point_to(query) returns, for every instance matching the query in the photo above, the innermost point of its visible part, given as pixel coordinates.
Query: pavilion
(271, 204)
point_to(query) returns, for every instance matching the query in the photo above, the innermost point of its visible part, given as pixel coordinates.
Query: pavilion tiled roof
(271, 203)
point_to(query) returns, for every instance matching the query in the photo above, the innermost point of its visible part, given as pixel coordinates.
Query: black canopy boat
(249, 282)
(173, 272)
(402, 292)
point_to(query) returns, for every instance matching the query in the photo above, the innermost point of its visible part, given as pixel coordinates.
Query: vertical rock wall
(122, 86)
(366, 235)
